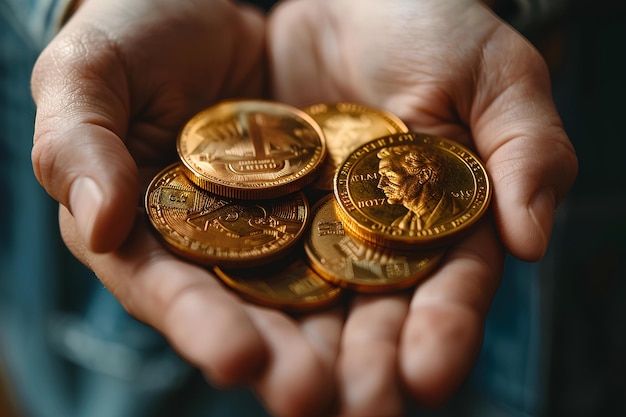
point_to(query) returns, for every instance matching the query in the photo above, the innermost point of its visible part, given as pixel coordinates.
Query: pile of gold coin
(386, 202)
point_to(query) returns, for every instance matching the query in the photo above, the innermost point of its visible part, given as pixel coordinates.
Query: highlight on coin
(251, 149)
(236, 200)
(351, 263)
(211, 230)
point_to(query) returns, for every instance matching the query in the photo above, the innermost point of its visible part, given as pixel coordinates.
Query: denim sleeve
(37, 21)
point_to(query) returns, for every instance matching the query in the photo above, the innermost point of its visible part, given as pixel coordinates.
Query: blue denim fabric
(72, 351)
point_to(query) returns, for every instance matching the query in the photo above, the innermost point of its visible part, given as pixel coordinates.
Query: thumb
(530, 159)
(78, 155)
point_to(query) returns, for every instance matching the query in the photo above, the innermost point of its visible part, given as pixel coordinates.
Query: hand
(449, 68)
(289, 361)
(112, 91)
(114, 87)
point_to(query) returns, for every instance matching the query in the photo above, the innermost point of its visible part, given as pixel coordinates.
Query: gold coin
(347, 125)
(212, 230)
(251, 149)
(350, 263)
(289, 285)
(411, 189)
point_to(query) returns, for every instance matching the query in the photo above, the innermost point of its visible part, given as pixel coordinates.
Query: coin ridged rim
(368, 229)
(427, 261)
(301, 305)
(254, 190)
(182, 246)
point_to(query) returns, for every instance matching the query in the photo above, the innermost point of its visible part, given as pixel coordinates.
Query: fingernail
(541, 210)
(85, 202)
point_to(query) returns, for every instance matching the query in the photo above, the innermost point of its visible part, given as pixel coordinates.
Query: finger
(443, 330)
(367, 364)
(298, 380)
(528, 154)
(204, 322)
(78, 155)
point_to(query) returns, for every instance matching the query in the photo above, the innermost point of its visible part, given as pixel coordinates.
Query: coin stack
(389, 201)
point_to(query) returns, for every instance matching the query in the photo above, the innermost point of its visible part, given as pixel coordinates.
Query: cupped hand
(112, 91)
(450, 68)
(287, 360)
(114, 87)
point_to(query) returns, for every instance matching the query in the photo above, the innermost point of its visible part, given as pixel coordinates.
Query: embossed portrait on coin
(414, 177)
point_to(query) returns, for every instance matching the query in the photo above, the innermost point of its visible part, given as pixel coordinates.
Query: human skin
(453, 69)
(119, 80)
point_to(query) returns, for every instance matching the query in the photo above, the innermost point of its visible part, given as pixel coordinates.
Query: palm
(427, 70)
(146, 83)
(229, 340)
(174, 73)
(385, 54)
(450, 68)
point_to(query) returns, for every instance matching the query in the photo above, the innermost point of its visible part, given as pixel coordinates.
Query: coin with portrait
(411, 189)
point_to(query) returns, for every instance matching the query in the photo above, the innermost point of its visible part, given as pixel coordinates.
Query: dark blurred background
(585, 272)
